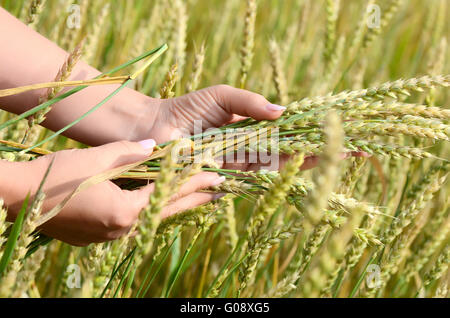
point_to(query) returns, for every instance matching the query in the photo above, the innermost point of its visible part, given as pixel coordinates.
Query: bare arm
(27, 58)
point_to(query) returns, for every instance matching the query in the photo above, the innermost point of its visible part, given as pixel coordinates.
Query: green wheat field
(355, 76)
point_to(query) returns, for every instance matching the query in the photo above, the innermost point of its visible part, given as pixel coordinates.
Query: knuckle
(176, 197)
(222, 89)
(120, 220)
(112, 236)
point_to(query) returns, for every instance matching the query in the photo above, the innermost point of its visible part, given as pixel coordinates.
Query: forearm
(28, 58)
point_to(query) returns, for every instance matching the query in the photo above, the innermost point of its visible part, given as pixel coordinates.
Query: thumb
(121, 153)
(245, 103)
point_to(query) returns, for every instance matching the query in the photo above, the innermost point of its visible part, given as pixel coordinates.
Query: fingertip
(218, 196)
(361, 154)
(272, 112)
(148, 145)
(186, 203)
(207, 175)
(208, 179)
(310, 163)
(199, 182)
(247, 103)
(267, 112)
(141, 196)
(275, 108)
(218, 181)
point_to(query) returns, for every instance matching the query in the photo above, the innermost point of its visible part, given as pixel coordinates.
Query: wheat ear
(279, 77)
(414, 207)
(197, 69)
(93, 37)
(34, 12)
(327, 171)
(63, 74)
(181, 31)
(439, 267)
(265, 207)
(166, 90)
(387, 16)
(248, 41)
(16, 263)
(332, 13)
(419, 259)
(26, 278)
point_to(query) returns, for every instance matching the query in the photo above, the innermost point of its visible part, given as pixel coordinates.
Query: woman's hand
(102, 212)
(211, 107)
(215, 107)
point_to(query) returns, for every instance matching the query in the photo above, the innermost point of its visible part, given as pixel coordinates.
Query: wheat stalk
(180, 37)
(439, 267)
(389, 89)
(279, 77)
(63, 74)
(34, 12)
(264, 209)
(93, 37)
(26, 278)
(150, 217)
(418, 260)
(248, 41)
(332, 13)
(197, 69)
(8, 279)
(387, 16)
(327, 170)
(230, 221)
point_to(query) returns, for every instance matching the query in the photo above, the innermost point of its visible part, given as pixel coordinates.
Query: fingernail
(365, 154)
(360, 154)
(218, 181)
(218, 196)
(148, 144)
(275, 108)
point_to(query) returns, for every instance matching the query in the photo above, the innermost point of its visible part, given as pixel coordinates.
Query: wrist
(127, 116)
(136, 115)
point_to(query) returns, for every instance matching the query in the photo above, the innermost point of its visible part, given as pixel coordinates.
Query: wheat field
(355, 76)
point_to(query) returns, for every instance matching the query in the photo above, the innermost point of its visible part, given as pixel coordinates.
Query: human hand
(103, 212)
(215, 107)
